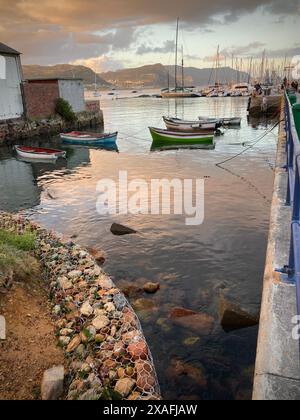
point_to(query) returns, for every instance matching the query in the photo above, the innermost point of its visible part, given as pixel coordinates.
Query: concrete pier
(277, 373)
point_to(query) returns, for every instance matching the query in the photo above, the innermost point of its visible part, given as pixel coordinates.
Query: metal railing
(293, 196)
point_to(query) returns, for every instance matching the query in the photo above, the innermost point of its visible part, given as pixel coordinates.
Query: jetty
(277, 373)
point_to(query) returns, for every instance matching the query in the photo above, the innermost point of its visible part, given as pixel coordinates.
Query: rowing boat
(200, 127)
(94, 139)
(168, 136)
(233, 121)
(40, 153)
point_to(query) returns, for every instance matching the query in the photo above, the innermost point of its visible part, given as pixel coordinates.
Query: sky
(112, 34)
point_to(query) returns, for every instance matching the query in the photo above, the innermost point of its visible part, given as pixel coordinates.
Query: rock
(143, 304)
(100, 322)
(74, 344)
(191, 341)
(151, 288)
(98, 255)
(145, 377)
(179, 368)
(2, 328)
(124, 386)
(66, 331)
(64, 283)
(53, 383)
(234, 317)
(138, 350)
(90, 395)
(119, 349)
(75, 274)
(130, 290)
(120, 230)
(110, 307)
(86, 309)
(99, 338)
(199, 323)
(64, 341)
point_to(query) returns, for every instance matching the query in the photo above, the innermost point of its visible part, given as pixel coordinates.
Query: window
(2, 68)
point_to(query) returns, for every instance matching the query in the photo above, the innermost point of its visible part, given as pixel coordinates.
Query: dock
(277, 372)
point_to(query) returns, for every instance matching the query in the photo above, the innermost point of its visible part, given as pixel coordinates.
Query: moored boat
(85, 138)
(190, 126)
(168, 136)
(40, 153)
(232, 121)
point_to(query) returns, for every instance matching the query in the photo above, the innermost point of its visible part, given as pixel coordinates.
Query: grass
(15, 255)
(25, 242)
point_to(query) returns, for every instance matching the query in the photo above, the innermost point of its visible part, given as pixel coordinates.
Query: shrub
(64, 109)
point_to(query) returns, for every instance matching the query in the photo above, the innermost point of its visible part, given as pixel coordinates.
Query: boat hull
(180, 95)
(34, 154)
(172, 137)
(190, 126)
(110, 139)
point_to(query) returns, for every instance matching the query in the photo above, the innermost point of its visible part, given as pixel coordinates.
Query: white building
(11, 102)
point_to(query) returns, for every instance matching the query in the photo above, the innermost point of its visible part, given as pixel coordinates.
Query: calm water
(193, 264)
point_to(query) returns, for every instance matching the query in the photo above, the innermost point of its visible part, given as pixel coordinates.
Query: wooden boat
(233, 121)
(30, 152)
(84, 138)
(173, 137)
(190, 126)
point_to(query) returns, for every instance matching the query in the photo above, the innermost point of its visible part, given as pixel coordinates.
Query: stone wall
(106, 350)
(14, 130)
(40, 99)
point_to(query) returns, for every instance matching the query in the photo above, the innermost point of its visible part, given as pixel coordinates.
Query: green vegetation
(15, 258)
(64, 109)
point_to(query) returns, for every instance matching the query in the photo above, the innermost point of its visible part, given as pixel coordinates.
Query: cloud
(49, 31)
(101, 64)
(168, 46)
(244, 50)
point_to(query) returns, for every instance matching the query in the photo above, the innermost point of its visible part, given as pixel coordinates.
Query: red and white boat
(31, 152)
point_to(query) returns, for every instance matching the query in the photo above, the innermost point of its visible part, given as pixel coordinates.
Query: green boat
(166, 137)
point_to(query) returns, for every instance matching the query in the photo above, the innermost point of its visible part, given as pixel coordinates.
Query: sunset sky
(111, 34)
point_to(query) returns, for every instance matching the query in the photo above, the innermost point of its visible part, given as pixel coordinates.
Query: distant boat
(84, 138)
(172, 137)
(190, 126)
(30, 152)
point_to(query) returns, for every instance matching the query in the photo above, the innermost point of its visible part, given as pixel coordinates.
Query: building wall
(40, 98)
(73, 92)
(11, 103)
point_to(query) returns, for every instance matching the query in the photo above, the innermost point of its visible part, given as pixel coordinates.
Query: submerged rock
(99, 255)
(120, 230)
(53, 383)
(199, 323)
(151, 288)
(179, 368)
(233, 317)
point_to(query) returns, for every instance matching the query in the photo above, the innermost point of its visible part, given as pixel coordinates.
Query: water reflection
(193, 265)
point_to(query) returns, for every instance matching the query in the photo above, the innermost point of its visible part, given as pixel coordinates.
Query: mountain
(147, 76)
(157, 76)
(64, 70)
(203, 77)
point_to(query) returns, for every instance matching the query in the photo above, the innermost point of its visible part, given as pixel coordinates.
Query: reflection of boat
(161, 146)
(30, 152)
(172, 137)
(190, 126)
(83, 138)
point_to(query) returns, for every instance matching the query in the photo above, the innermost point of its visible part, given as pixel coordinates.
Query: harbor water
(194, 265)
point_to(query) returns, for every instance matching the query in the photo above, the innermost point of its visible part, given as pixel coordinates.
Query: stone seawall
(107, 353)
(21, 129)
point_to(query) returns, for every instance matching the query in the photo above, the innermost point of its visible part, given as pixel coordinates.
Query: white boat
(185, 125)
(39, 153)
(232, 121)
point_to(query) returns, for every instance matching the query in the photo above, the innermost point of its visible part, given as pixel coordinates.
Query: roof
(5, 49)
(51, 79)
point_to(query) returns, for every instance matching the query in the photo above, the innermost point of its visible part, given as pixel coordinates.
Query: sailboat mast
(182, 70)
(176, 54)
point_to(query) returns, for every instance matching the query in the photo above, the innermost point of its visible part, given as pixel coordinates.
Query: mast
(182, 70)
(250, 71)
(176, 54)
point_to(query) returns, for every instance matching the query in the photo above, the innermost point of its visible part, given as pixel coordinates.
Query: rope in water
(249, 147)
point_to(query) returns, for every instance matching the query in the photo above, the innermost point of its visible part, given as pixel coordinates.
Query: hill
(64, 70)
(157, 76)
(147, 76)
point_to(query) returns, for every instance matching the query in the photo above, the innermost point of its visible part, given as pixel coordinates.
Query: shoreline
(102, 338)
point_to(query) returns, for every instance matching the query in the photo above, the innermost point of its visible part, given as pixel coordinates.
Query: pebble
(74, 344)
(124, 386)
(86, 309)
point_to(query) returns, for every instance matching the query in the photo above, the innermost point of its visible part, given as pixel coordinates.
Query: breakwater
(21, 129)
(103, 342)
